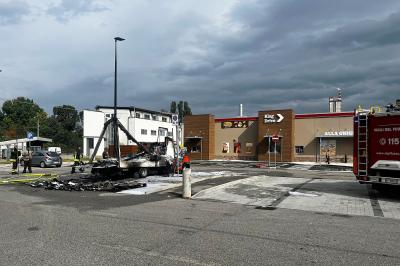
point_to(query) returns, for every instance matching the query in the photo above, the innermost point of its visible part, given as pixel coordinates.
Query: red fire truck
(377, 145)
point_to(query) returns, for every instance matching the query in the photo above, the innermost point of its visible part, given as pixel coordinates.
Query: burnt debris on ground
(87, 183)
(331, 167)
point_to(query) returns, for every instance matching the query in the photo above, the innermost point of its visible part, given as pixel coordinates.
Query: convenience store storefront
(300, 137)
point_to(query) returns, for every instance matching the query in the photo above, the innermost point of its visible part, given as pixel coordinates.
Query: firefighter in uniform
(77, 160)
(186, 161)
(27, 158)
(14, 160)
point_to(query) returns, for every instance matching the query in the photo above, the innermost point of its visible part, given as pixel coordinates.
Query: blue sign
(29, 135)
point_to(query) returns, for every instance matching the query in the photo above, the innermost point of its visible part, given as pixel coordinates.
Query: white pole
(177, 150)
(275, 154)
(187, 189)
(201, 149)
(269, 151)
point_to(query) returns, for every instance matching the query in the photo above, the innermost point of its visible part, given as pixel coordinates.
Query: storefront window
(273, 146)
(196, 149)
(249, 147)
(299, 149)
(225, 147)
(236, 146)
(194, 145)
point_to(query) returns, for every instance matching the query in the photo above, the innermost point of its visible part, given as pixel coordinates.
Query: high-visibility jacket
(76, 158)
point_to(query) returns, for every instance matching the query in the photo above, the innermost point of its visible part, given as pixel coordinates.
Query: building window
(154, 133)
(299, 149)
(249, 147)
(90, 143)
(195, 149)
(137, 115)
(108, 115)
(162, 132)
(147, 116)
(154, 117)
(143, 131)
(170, 134)
(164, 119)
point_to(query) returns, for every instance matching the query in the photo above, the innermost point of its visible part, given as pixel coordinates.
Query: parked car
(46, 159)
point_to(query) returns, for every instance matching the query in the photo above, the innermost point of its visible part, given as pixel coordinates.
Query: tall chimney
(338, 102)
(331, 105)
(241, 110)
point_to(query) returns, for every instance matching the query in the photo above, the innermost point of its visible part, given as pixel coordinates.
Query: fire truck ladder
(362, 144)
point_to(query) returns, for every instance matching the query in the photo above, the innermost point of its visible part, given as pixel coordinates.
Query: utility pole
(116, 135)
(37, 128)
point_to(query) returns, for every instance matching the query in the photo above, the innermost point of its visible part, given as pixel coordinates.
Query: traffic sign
(275, 138)
(175, 119)
(29, 135)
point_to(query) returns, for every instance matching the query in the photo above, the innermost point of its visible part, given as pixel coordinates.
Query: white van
(55, 149)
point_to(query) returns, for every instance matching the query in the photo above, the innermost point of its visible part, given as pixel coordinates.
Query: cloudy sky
(265, 54)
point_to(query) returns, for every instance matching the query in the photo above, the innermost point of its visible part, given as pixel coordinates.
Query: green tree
(186, 109)
(64, 128)
(173, 107)
(19, 116)
(67, 116)
(1, 126)
(180, 110)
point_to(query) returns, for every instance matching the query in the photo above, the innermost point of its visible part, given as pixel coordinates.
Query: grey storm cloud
(213, 54)
(67, 9)
(12, 12)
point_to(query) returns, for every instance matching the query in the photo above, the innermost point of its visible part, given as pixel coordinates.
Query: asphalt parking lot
(238, 215)
(328, 188)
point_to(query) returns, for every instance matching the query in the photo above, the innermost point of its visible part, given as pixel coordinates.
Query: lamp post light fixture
(116, 137)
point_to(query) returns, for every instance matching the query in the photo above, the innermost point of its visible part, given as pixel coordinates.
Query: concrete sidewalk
(344, 197)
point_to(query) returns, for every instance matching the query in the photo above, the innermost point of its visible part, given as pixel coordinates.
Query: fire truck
(376, 157)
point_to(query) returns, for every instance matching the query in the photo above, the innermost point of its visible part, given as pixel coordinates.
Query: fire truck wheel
(143, 172)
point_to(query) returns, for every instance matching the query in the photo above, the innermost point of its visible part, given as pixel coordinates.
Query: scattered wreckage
(116, 174)
(87, 184)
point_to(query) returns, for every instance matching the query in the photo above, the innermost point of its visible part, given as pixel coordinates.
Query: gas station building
(279, 135)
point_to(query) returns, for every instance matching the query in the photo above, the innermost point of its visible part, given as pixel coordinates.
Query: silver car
(46, 159)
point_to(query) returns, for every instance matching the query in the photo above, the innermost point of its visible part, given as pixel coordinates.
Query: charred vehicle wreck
(158, 158)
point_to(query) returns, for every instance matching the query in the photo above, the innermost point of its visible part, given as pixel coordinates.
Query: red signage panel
(384, 138)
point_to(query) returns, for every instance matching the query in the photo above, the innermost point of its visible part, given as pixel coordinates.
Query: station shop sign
(273, 118)
(338, 133)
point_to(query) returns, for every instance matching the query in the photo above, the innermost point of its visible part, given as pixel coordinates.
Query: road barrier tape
(30, 178)
(40, 174)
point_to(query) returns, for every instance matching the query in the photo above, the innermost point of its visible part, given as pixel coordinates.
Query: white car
(55, 149)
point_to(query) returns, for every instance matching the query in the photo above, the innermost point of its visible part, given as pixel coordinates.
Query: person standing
(14, 160)
(78, 154)
(77, 159)
(327, 157)
(105, 154)
(27, 158)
